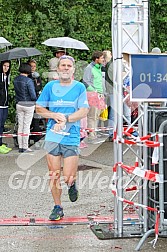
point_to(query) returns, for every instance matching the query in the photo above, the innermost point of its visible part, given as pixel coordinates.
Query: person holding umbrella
(64, 103)
(4, 82)
(52, 74)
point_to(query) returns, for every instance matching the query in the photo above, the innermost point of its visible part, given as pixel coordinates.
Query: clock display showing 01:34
(149, 77)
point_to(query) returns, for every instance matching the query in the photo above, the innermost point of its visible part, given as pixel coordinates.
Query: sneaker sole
(4, 152)
(56, 218)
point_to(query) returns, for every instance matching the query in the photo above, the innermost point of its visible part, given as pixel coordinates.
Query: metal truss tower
(130, 35)
(138, 205)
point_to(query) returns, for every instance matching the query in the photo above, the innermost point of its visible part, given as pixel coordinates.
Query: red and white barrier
(142, 173)
(23, 134)
(145, 174)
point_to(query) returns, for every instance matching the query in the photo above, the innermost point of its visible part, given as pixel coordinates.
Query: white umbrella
(4, 43)
(66, 42)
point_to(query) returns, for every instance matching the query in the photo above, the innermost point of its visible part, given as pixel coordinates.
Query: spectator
(52, 75)
(4, 82)
(25, 104)
(108, 63)
(35, 76)
(83, 133)
(67, 104)
(35, 125)
(93, 79)
(128, 106)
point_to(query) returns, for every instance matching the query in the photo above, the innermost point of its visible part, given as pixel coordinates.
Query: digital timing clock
(148, 77)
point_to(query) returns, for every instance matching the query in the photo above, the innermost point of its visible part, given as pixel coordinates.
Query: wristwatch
(67, 116)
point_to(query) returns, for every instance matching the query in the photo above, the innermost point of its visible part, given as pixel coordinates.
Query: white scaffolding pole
(120, 112)
(129, 34)
(145, 118)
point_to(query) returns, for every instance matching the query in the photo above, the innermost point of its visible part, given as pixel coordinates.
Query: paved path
(24, 193)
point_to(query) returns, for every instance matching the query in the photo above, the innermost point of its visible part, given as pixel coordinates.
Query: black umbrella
(18, 53)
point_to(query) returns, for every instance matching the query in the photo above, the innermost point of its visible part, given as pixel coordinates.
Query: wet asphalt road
(24, 192)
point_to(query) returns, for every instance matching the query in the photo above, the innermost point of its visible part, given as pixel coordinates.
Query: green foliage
(29, 23)
(158, 24)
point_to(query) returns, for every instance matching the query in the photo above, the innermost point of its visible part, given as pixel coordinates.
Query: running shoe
(73, 192)
(7, 148)
(83, 145)
(110, 138)
(57, 213)
(28, 150)
(3, 150)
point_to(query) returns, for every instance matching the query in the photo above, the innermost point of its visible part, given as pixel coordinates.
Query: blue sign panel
(148, 77)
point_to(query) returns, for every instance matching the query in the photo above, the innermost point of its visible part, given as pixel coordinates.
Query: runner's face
(65, 69)
(5, 67)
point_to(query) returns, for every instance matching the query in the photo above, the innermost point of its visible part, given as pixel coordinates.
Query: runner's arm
(58, 117)
(78, 115)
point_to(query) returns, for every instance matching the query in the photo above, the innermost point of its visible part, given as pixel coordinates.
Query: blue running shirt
(66, 100)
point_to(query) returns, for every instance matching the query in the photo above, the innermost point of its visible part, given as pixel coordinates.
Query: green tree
(29, 23)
